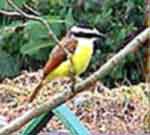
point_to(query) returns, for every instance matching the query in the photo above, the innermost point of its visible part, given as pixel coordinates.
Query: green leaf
(3, 4)
(35, 30)
(69, 18)
(38, 44)
(117, 73)
(8, 65)
(56, 24)
(56, 2)
(33, 47)
(130, 58)
(19, 3)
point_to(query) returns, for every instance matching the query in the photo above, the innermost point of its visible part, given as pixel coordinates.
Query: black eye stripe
(85, 35)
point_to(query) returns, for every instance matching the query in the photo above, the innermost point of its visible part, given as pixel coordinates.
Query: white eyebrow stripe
(84, 30)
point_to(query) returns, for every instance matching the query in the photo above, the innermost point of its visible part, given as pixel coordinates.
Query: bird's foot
(78, 79)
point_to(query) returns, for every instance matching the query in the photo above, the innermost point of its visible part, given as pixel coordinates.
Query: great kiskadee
(79, 41)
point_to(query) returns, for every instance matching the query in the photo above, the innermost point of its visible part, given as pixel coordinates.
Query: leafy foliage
(6, 61)
(116, 19)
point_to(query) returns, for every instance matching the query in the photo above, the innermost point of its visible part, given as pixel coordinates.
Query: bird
(79, 44)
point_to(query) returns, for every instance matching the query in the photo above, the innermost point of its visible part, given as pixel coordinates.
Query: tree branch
(31, 10)
(68, 94)
(8, 13)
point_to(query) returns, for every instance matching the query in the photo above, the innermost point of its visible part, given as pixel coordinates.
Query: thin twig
(31, 10)
(68, 94)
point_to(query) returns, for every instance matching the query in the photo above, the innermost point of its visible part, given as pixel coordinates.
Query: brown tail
(35, 91)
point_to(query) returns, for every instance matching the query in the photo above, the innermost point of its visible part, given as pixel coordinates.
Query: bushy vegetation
(24, 44)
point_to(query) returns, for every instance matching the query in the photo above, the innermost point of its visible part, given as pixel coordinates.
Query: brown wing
(56, 58)
(58, 55)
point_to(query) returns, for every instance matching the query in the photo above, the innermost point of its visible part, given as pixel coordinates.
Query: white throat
(86, 41)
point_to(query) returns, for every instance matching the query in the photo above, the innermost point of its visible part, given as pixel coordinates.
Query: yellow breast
(80, 58)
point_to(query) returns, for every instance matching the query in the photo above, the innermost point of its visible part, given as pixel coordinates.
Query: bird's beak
(99, 34)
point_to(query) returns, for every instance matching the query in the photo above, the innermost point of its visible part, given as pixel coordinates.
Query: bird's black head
(85, 31)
